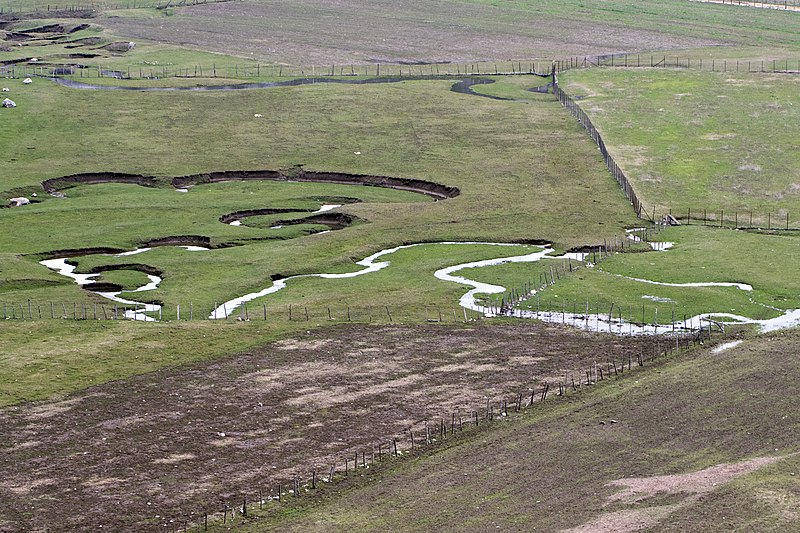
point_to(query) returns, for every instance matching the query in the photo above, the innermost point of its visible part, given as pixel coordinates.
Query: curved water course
(590, 322)
(462, 86)
(372, 263)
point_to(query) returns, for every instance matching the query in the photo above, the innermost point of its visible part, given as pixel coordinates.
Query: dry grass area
(134, 453)
(321, 32)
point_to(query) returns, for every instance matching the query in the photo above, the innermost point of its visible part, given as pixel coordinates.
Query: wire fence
(775, 65)
(154, 71)
(623, 181)
(425, 435)
(66, 9)
(254, 70)
(786, 5)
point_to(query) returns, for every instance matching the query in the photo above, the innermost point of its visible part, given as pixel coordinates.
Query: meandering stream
(373, 263)
(462, 86)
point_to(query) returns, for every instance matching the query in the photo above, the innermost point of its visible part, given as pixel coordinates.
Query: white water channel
(323, 209)
(140, 310)
(726, 346)
(369, 263)
(611, 322)
(593, 322)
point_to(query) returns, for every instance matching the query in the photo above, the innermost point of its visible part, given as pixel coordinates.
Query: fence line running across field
(55, 9)
(496, 305)
(623, 181)
(258, 70)
(785, 5)
(774, 66)
(425, 434)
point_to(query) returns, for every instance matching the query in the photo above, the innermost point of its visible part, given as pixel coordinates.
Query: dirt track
(131, 454)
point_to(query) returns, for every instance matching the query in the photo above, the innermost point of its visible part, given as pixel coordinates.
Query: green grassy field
(702, 442)
(689, 140)
(701, 254)
(442, 140)
(526, 172)
(49, 359)
(410, 129)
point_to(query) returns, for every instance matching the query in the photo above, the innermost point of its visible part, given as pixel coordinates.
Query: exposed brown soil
(85, 41)
(77, 55)
(434, 190)
(180, 240)
(18, 36)
(80, 252)
(429, 188)
(241, 215)
(136, 453)
(48, 28)
(334, 221)
(56, 184)
(147, 269)
(118, 47)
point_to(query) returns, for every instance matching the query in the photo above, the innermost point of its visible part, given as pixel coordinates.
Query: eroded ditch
(57, 260)
(434, 190)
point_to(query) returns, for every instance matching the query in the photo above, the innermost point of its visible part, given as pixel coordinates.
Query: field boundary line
(572, 106)
(432, 434)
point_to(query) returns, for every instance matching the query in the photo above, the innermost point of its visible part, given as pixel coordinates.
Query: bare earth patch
(133, 454)
(690, 487)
